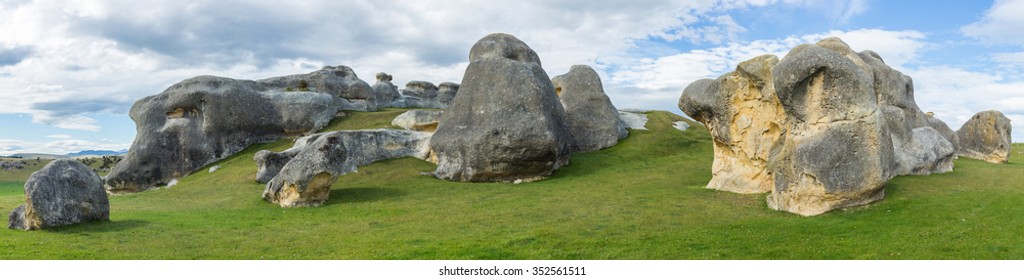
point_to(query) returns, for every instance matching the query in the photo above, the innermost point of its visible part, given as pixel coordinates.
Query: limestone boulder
(203, 119)
(823, 128)
(446, 92)
(269, 163)
(745, 119)
(986, 136)
(63, 192)
(836, 151)
(339, 81)
(506, 124)
(422, 94)
(421, 89)
(944, 130)
(418, 120)
(316, 161)
(592, 120)
(919, 148)
(386, 93)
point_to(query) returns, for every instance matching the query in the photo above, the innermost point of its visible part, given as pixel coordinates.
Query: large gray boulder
(446, 92)
(386, 92)
(316, 161)
(418, 120)
(986, 136)
(592, 120)
(63, 192)
(203, 119)
(835, 152)
(918, 146)
(421, 89)
(506, 124)
(745, 119)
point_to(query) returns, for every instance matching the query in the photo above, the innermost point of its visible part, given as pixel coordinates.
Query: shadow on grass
(99, 226)
(356, 195)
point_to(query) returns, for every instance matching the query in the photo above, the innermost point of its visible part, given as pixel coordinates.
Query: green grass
(642, 199)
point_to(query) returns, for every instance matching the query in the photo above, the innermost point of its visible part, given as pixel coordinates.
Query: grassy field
(642, 199)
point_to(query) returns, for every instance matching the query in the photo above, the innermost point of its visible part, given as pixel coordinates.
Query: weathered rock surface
(200, 120)
(986, 136)
(446, 92)
(918, 147)
(633, 120)
(63, 192)
(836, 152)
(506, 123)
(316, 161)
(592, 120)
(386, 92)
(421, 89)
(744, 118)
(421, 94)
(824, 128)
(418, 120)
(339, 81)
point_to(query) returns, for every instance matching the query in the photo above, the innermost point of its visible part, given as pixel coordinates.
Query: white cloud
(657, 83)
(1002, 23)
(1009, 58)
(71, 58)
(59, 136)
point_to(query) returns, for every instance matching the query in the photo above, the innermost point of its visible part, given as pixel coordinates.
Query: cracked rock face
(986, 136)
(592, 120)
(63, 192)
(744, 118)
(506, 123)
(203, 119)
(824, 128)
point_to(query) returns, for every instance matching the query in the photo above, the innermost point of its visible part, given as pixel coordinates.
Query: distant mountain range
(85, 153)
(97, 153)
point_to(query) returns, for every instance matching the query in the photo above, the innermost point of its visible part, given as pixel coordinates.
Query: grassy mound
(642, 199)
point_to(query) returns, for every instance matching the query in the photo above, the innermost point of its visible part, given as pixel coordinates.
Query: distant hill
(85, 153)
(97, 153)
(36, 155)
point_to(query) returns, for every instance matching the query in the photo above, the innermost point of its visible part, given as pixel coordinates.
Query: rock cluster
(592, 120)
(303, 174)
(422, 94)
(821, 129)
(200, 120)
(63, 192)
(506, 123)
(986, 136)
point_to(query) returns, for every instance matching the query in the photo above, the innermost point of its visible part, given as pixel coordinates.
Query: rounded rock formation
(386, 92)
(986, 136)
(744, 118)
(506, 124)
(63, 192)
(203, 119)
(592, 120)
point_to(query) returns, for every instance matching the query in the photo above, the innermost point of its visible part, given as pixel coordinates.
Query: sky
(70, 70)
